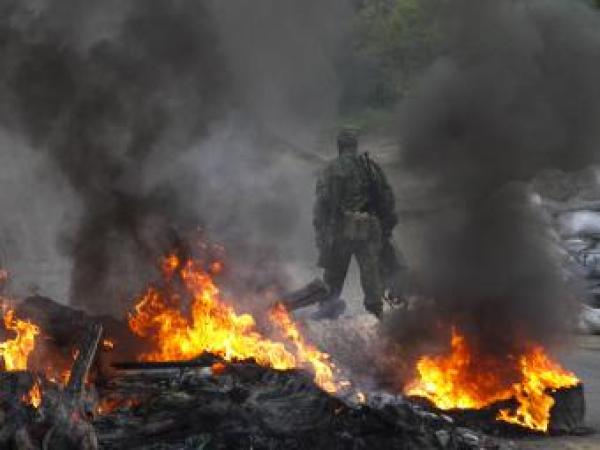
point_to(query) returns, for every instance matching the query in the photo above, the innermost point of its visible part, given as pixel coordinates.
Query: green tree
(401, 35)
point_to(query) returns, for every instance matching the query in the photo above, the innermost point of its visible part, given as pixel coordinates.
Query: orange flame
(108, 405)
(108, 344)
(540, 374)
(464, 379)
(56, 375)
(218, 368)
(213, 326)
(15, 352)
(34, 396)
(306, 353)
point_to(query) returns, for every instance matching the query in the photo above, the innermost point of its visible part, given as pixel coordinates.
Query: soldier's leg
(393, 270)
(334, 276)
(368, 258)
(336, 270)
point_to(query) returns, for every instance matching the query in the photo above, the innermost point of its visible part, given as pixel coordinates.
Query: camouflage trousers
(367, 254)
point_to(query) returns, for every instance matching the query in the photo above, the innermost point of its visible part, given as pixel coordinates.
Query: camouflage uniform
(354, 214)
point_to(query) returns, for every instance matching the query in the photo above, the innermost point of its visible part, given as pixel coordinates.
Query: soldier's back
(351, 183)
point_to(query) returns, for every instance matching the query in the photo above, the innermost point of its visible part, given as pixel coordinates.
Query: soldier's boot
(329, 309)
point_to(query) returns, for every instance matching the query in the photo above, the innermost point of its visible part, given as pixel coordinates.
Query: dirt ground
(584, 359)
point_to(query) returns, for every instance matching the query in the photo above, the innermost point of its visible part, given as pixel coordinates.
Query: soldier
(354, 214)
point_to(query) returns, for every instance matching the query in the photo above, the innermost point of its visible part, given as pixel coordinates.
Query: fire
(58, 376)
(108, 344)
(361, 398)
(16, 351)
(458, 380)
(305, 352)
(465, 379)
(540, 374)
(34, 396)
(218, 368)
(108, 405)
(180, 331)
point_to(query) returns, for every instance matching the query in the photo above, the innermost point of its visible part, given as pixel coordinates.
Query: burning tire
(568, 412)
(566, 416)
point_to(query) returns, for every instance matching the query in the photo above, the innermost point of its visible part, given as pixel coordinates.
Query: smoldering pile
(201, 402)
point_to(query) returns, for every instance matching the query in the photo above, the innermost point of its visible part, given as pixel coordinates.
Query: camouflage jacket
(352, 183)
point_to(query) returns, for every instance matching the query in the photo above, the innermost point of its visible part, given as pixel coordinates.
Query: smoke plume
(516, 91)
(123, 100)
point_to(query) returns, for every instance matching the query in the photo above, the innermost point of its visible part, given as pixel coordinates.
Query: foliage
(401, 35)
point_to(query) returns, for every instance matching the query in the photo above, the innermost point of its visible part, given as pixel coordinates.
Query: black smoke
(515, 92)
(161, 117)
(100, 106)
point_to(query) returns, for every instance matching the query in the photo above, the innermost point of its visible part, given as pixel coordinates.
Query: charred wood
(251, 406)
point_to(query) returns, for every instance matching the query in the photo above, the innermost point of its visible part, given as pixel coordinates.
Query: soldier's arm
(389, 217)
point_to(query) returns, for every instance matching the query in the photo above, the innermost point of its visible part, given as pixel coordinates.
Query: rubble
(68, 418)
(64, 325)
(205, 403)
(248, 406)
(62, 419)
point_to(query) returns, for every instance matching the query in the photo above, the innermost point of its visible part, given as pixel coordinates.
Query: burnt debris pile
(205, 403)
(250, 406)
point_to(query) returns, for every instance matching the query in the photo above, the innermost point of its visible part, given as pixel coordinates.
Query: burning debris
(40, 413)
(186, 317)
(15, 352)
(34, 396)
(206, 373)
(467, 379)
(247, 405)
(251, 378)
